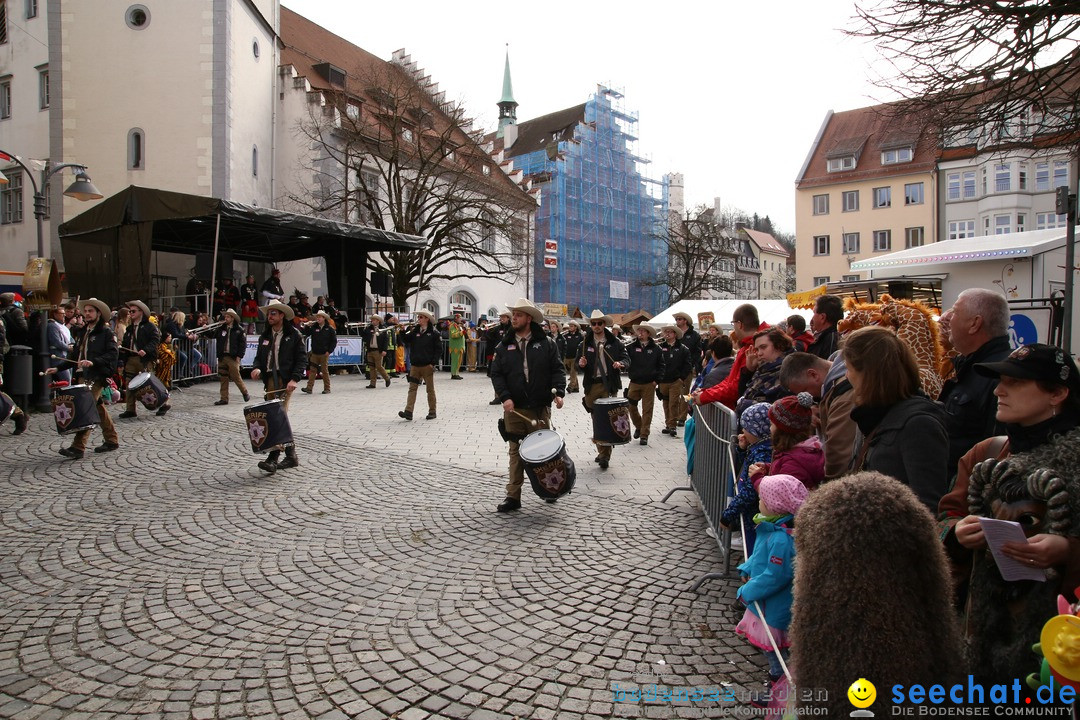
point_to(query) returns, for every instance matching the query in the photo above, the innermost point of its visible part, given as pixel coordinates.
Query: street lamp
(82, 189)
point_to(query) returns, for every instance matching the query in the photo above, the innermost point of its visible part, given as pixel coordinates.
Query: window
(465, 300)
(842, 163)
(255, 161)
(1022, 177)
(31, 9)
(1046, 221)
(913, 193)
(1002, 177)
(969, 185)
(407, 133)
(11, 199)
(3, 21)
(821, 204)
(255, 51)
(43, 88)
(1061, 173)
(913, 237)
(821, 245)
(1021, 221)
(899, 155)
(137, 17)
(821, 280)
(882, 240)
(136, 149)
(850, 278)
(5, 98)
(961, 229)
(851, 243)
(486, 169)
(1042, 176)
(352, 111)
(952, 184)
(851, 201)
(432, 307)
(882, 197)
(1002, 224)
(487, 234)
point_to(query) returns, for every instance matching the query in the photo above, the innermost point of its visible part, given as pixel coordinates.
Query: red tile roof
(766, 242)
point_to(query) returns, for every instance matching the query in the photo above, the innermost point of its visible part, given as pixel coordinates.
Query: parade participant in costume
(472, 339)
(676, 358)
(17, 415)
(601, 357)
(527, 375)
(140, 349)
(230, 295)
(376, 343)
(692, 341)
(494, 337)
(646, 367)
(425, 345)
(574, 336)
(280, 363)
(95, 356)
(271, 288)
(554, 332)
(769, 572)
(249, 304)
(457, 347)
(323, 343)
(231, 346)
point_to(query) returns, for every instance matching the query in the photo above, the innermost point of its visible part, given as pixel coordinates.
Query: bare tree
(390, 155)
(999, 73)
(701, 258)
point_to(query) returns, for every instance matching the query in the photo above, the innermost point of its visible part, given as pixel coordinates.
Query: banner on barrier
(349, 351)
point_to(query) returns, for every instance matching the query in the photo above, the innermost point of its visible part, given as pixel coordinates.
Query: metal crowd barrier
(195, 359)
(713, 475)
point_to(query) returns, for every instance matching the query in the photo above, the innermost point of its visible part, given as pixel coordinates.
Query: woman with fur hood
(872, 593)
(1028, 476)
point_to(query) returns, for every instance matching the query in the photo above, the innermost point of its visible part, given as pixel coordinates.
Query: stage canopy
(107, 248)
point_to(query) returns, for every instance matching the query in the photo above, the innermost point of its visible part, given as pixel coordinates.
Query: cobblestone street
(173, 579)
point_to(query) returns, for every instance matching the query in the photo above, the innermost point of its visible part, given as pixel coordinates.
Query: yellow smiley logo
(862, 693)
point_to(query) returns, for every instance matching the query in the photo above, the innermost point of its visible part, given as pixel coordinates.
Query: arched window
(136, 146)
(432, 307)
(463, 302)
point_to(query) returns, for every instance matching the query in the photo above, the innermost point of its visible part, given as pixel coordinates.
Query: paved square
(173, 579)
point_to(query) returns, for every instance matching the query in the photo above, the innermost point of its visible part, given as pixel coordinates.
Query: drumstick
(526, 417)
(275, 392)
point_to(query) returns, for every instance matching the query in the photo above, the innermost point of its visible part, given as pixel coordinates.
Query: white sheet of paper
(999, 532)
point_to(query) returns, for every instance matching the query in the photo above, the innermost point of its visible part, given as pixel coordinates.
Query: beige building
(772, 259)
(867, 188)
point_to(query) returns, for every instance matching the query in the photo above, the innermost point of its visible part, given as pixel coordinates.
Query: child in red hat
(796, 450)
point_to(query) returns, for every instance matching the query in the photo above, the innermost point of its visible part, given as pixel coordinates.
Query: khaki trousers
(518, 425)
(644, 393)
(684, 409)
(594, 393)
(571, 373)
(375, 365)
(317, 362)
(229, 371)
(133, 367)
(471, 355)
(427, 374)
(108, 430)
(672, 401)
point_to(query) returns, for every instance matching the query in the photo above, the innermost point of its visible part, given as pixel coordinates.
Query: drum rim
(264, 402)
(561, 450)
(611, 401)
(134, 382)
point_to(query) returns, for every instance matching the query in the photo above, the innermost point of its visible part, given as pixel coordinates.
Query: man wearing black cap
(280, 363)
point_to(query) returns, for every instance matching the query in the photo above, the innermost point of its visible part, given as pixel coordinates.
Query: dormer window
(838, 164)
(896, 155)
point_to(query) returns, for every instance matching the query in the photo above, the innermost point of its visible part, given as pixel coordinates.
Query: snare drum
(149, 390)
(73, 409)
(611, 421)
(268, 426)
(551, 471)
(7, 407)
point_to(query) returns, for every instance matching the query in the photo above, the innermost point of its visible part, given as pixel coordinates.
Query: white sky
(730, 94)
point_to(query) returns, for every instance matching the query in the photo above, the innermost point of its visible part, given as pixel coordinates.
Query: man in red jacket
(746, 323)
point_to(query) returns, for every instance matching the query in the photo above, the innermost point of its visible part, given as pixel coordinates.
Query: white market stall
(769, 311)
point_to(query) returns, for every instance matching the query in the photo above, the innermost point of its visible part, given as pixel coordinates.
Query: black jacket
(646, 362)
(825, 343)
(692, 340)
(573, 342)
(101, 349)
(292, 359)
(425, 348)
(237, 341)
(545, 370)
(560, 343)
(495, 335)
(676, 362)
(144, 336)
(323, 339)
(970, 405)
(14, 319)
(614, 351)
(383, 340)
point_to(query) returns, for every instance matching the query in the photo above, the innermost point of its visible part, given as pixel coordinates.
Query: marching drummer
(601, 357)
(527, 374)
(425, 347)
(95, 356)
(670, 383)
(645, 368)
(280, 363)
(231, 346)
(323, 344)
(140, 348)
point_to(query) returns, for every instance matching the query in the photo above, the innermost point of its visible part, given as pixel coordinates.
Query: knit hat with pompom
(793, 414)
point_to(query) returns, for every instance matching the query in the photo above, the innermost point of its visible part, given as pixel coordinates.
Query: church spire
(507, 105)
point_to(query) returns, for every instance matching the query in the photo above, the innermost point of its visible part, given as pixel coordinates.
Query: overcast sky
(730, 94)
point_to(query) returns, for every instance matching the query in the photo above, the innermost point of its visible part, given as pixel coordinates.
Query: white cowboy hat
(139, 304)
(281, 308)
(526, 306)
(101, 307)
(678, 332)
(429, 315)
(646, 326)
(324, 314)
(685, 316)
(599, 315)
(232, 312)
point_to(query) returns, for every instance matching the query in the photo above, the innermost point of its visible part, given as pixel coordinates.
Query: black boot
(270, 463)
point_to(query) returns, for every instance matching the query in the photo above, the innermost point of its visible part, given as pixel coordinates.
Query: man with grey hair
(977, 326)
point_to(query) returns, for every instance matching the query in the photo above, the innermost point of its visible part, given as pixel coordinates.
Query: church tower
(507, 105)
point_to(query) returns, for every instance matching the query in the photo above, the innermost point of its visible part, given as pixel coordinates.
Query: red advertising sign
(551, 262)
(551, 246)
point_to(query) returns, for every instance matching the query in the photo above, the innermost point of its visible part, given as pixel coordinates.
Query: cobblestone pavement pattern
(171, 579)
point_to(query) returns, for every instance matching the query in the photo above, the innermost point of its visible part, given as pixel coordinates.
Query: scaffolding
(605, 214)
